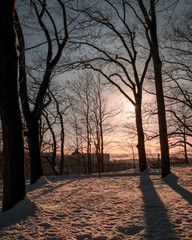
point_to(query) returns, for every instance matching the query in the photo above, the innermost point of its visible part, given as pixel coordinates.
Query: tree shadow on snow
(171, 180)
(20, 212)
(156, 218)
(47, 189)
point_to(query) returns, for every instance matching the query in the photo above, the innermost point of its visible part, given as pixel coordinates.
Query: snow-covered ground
(124, 206)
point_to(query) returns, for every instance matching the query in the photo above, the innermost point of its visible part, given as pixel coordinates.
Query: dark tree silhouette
(120, 57)
(177, 72)
(152, 36)
(13, 151)
(62, 133)
(32, 117)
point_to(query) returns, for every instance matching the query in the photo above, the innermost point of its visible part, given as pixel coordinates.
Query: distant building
(77, 163)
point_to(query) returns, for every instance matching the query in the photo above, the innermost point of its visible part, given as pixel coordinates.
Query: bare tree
(179, 120)
(54, 53)
(150, 23)
(178, 132)
(102, 115)
(13, 150)
(115, 43)
(62, 131)
(51, 159)
(177, 74)
(82, 91)
(91, 117)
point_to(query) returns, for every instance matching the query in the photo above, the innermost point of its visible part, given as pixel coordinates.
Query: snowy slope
(124, 206)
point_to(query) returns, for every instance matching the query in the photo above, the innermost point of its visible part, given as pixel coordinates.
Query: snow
(123, 206)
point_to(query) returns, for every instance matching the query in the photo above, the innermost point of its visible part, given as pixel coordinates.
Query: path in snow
(128, 206)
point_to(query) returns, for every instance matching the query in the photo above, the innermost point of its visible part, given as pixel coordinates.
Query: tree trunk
(62, 136)
(185, 146)
(13, 150)
(89, 165)
(32, 123)
(140, 134)
(165, 164)
(13, 154)
(32, 117)
(101, 151)
(54, 148)
(157, 65)
(62, 148)
(101, 135)
(34, 150)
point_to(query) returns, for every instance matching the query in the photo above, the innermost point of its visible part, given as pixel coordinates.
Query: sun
(129, 108)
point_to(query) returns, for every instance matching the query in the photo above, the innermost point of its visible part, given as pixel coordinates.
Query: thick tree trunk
(151, 33)
(34, 150)
(13, 154)
(13, 150)
(32, 123)
(141, 142)
(157, 65)
(165, 164)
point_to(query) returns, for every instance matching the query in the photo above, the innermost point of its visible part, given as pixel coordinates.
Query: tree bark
(140, 134)
(13, 150)
(157, 64)
(165, 164)
(34, 150)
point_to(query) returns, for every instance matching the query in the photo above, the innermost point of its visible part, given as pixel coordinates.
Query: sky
(31, 39)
